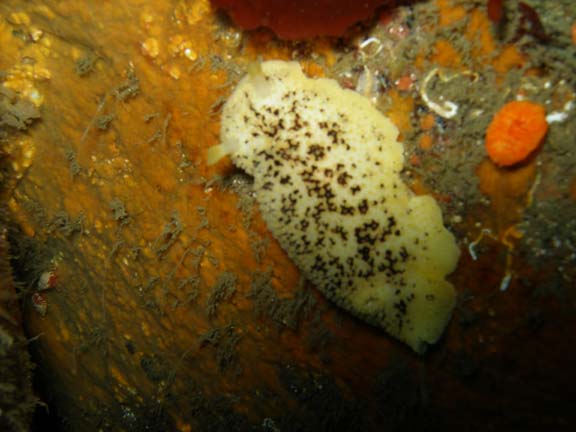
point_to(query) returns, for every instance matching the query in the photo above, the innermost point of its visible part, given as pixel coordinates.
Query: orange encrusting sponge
(515, 132)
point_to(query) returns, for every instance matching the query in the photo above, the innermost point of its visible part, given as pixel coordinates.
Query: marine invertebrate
(326, 169)
(299, 19)
(515, 132)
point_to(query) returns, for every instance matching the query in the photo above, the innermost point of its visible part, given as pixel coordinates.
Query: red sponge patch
(299, 19)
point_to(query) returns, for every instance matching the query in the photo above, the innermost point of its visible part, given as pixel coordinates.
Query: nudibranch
(326, 166)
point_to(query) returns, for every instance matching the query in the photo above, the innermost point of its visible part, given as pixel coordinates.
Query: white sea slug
(326, 169)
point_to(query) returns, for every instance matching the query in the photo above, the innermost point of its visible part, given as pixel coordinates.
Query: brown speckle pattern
(326, 179)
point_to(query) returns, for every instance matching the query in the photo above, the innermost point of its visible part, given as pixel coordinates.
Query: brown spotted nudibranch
(326, 167)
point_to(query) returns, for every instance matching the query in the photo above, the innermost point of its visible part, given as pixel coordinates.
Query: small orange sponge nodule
(515, 132)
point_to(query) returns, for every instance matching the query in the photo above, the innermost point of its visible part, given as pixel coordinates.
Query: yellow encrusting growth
(326, 169)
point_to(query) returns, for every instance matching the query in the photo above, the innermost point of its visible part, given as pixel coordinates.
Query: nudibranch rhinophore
(326, 167)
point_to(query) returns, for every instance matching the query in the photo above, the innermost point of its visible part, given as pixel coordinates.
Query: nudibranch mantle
(326, 167)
